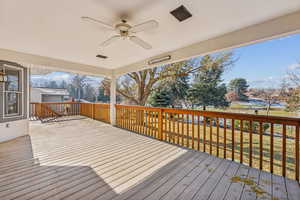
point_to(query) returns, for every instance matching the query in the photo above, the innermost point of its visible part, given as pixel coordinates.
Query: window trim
(20, 91)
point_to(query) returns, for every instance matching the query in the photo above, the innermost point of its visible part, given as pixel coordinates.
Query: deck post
(113, 100)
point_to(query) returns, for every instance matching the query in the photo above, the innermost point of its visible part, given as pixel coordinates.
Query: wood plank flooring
(86, 159)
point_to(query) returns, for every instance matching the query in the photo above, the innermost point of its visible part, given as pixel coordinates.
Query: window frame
(20, 91)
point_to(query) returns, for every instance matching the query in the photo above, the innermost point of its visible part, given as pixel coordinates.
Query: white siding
(13, 129)
(35, 95)
(52, 98)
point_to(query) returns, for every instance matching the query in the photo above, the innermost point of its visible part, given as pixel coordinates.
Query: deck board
(86, 159)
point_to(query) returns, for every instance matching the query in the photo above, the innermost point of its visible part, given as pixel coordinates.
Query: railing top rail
(238, 116)
(48, 103)
(139, 107)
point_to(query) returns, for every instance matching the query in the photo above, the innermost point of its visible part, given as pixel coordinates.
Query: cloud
(60, 77)
(294, 66)
(269, 82)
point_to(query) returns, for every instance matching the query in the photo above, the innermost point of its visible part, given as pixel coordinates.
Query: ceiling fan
(125, 31)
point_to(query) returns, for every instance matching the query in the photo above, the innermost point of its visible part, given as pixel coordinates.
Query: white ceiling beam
(54, 64)
(277, 27)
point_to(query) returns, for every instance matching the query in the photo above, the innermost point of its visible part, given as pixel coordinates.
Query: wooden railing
(96, 111)
(92, 110)
(265, 142)
(47, 110)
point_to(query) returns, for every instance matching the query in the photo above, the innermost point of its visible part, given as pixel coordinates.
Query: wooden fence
(265, 142)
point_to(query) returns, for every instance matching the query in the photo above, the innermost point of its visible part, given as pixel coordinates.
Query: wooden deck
(86, 159)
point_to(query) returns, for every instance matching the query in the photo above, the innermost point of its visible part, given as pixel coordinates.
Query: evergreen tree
(206, 89)
(160, 98)
(239, 86)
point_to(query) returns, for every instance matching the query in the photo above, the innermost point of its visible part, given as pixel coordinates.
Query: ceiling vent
(181, 13)
(101, 56)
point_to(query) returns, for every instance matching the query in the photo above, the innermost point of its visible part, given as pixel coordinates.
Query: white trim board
(52, 63)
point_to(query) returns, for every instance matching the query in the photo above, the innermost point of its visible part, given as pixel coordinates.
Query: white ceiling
(54, 28)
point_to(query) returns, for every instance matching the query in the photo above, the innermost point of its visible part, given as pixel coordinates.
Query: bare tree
(270, 97)
(137, 86)
(79, 82)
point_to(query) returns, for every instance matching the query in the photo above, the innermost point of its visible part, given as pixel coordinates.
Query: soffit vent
(181, 13)
(101, 56)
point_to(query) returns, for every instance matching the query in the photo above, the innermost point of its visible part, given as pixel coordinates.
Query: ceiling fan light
(101, 56)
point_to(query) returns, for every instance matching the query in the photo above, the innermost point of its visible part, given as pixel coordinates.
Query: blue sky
(263, 64)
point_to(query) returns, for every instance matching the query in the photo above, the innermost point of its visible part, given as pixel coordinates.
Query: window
(13, 91)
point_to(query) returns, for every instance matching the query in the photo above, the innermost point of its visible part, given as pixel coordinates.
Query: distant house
(48, 95)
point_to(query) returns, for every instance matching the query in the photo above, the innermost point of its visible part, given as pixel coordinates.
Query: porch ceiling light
(158, 60)
(3, 77)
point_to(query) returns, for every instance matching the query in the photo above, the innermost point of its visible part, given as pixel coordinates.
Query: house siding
(14, 126)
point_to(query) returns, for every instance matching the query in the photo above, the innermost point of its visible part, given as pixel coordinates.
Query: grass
(238, 108)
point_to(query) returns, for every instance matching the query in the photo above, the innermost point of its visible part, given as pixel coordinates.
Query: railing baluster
(173, 127)
(251, 142)
(218, 126)
(178, 131)
(232, 140)
(148, 124)
(169, 128)
(152, 124)
(261, 145)
(182, 129)
(193, 131)
(187, 131)
(210, 135)
(198, 132)
(225, 139)
(272, 148)
(241, 141)
(204, 134)
(284, 150)
(297, 153)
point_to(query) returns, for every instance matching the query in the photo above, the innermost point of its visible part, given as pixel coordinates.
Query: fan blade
(140, 42)
(144, 26)
(110, 40)
(92, 20)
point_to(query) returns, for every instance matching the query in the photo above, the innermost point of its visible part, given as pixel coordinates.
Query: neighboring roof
(52, 91)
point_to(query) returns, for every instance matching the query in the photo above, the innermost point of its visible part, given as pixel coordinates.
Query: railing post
(93, 110)
(113, 98)
(160, 124)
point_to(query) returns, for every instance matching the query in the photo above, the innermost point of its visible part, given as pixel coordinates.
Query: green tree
(174, 91)
(240, 87)
(160, 98)
(206, 89)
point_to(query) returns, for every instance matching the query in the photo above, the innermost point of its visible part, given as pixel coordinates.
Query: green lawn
(237, 108)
